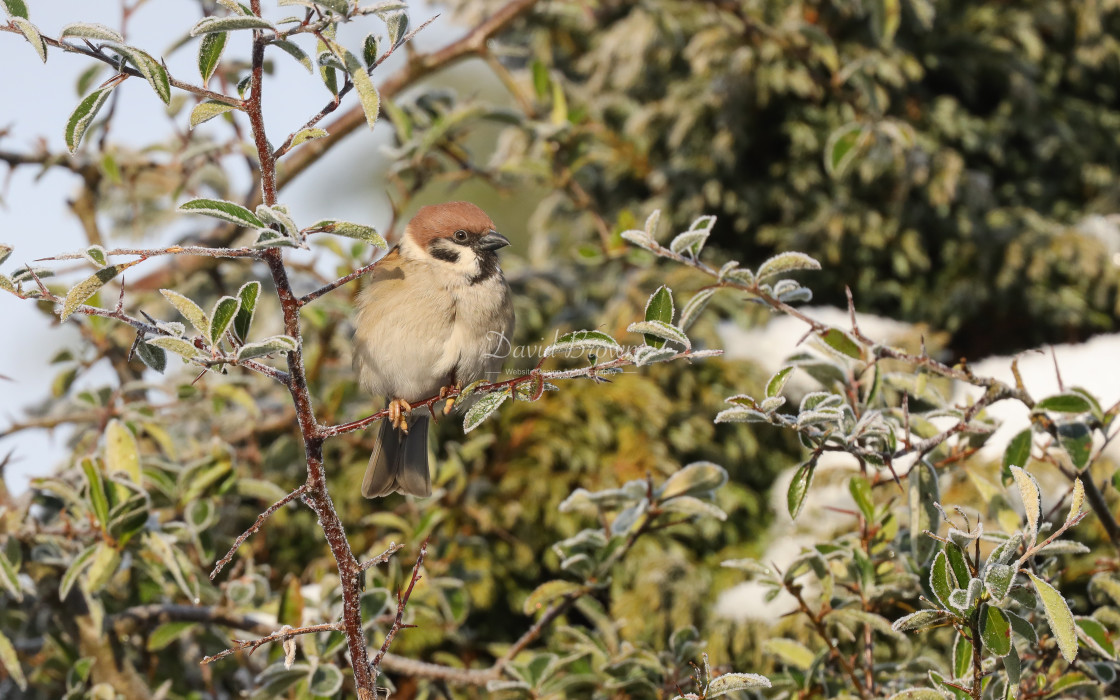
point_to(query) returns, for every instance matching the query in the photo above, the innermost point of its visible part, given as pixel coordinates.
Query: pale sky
(35, 219)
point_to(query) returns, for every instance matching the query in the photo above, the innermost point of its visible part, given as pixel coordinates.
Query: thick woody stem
(316, 495)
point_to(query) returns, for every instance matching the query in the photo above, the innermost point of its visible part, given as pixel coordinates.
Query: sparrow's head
(457, 235)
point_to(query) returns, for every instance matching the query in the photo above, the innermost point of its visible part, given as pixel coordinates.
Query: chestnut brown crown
(443, 220)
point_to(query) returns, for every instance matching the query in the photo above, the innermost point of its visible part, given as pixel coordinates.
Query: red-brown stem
(317, 496)
(254, 527)
(402, 601)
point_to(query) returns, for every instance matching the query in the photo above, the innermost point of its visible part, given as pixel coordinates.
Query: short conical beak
(492, 241)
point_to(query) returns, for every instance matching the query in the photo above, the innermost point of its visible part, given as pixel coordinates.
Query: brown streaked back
(442, 220)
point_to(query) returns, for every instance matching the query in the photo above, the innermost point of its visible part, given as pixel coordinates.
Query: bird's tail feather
(399, 461)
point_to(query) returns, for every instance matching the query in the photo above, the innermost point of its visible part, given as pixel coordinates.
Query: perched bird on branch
(434, 317)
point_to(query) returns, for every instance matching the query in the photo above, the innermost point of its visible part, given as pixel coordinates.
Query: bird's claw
(444, 391)
(398, 409)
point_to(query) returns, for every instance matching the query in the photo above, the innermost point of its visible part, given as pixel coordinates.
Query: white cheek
(465, 266)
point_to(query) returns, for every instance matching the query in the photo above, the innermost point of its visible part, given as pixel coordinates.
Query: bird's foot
(398, 409)
(444, 391)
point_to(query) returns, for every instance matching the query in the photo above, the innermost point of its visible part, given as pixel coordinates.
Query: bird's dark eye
(460, 236)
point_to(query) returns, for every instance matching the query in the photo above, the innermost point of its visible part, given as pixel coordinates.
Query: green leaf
(690, 505)
(76, 568)
(304, 135)
(183, 348)
(885, 18)
(799, 487)
(1032, 499)
(790, 652)
(210, 54)
(997, 580)
(996, 632)
(5, 252)
(659, 307)
(1017, 454)
(732, 682)
(122, 454)
(82, 291)
(205, 111)
(917, 694)
(277, 216)
(221, 316)
(128, 517)
(293, 50)
(483, 408)
(957, 564)
(861, 494)
(190, 311)
(1065, 403)
(694, 307)
(540, 79)
(1059, 617)
(1020, 626)
(1077, 440)
(1077, 499)
(962, 656)
(83, 115)
(31, 33)
(221, 209)
(92, 31)
(368, 95)
(1096, 637)
(544, 594)
(397, 25)
(159, 545)
(248, 294)
(842, 147)
(9, 577)
(167, 633)
(152, 356)
(939, 580)
(662, 330)
(921, 620)
(152, 70)
(325, 681)
(209, 25)
(370, 49)
(96, 255)
(696, 478)
(842, 343)
(8, 657)
(351, 230)
(778, 382)
(268, 346)
(16, 8)
(786, 262)
(579, 341)
(689, 243)
(105, 562)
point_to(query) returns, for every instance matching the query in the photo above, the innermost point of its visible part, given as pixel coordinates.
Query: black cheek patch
(445, 254)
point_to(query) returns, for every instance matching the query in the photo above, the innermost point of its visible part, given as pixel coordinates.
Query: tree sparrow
(433, 317)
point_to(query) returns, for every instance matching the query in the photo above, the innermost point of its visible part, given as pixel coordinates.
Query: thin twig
(402, 602)
(535, 375)
(170, 250)
(312, 296)
(281, 636)
(254, 527)
(112, 61)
